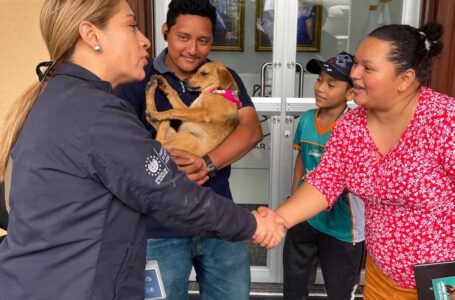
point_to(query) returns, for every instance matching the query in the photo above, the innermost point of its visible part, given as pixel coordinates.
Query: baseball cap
(338, 67)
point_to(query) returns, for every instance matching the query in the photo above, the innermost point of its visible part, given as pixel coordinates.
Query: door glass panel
(338, 25)
(247, 59)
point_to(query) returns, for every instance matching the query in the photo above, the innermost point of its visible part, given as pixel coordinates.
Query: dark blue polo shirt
(135, 95)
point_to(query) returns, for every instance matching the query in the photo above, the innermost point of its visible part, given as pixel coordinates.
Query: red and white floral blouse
(409, 193)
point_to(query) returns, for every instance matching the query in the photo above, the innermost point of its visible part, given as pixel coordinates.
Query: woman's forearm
(305, 203)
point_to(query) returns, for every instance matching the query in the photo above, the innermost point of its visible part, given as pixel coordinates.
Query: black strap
(3, 212)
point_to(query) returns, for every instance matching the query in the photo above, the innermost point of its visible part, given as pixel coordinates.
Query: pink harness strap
(230, 95)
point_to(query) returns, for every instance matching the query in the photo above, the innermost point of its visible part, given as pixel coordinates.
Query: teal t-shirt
(345, 221)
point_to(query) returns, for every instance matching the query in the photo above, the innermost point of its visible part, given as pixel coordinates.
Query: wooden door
(443, 73)
(143, 9)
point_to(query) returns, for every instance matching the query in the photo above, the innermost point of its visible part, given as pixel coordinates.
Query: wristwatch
(210, 165)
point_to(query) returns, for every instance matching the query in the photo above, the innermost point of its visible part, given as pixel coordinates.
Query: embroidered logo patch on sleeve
(156, 165)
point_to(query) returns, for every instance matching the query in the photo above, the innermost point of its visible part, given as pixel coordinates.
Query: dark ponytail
(412, 48)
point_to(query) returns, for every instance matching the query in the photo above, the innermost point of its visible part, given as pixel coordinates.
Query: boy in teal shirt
(336, 236)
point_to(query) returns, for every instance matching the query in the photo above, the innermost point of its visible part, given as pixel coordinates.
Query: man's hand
(192, 165)
(270, 228)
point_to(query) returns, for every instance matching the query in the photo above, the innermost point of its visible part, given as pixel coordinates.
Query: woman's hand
(270, 230)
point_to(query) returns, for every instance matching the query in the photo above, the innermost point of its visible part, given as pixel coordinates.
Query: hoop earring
(97, 48)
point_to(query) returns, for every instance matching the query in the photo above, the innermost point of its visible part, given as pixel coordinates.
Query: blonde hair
(59, 23)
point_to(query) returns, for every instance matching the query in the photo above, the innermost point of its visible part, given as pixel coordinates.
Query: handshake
(270, 228)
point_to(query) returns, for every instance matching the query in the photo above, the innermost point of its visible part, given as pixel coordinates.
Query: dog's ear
(227, 81)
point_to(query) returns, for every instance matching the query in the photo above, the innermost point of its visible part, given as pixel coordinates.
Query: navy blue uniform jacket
(86, 172)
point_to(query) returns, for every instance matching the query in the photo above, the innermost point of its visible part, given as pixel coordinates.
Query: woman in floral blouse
(396, 151)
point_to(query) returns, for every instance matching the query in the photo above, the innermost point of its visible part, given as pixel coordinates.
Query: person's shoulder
(109, 100)
(307, 118)
(104, 105)
(232, 70)
(243, 93)
(354, 114)
(432, 96)
(110, 111)
(436, 105)
(150, 67)
(234, 74)
(309, 113)
(92, 99)
(351, 119)
(76, 91)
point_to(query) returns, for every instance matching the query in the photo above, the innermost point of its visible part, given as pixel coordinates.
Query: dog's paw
(150, 117)
(159, 80)
(163, 85)
(152, 84)
(156, 116)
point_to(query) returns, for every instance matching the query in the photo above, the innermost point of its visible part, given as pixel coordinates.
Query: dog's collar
(230, 95)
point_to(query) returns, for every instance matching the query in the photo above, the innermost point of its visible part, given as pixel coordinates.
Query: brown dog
(207, 121)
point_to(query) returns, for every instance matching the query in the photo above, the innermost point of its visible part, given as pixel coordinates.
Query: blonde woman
(85, 171)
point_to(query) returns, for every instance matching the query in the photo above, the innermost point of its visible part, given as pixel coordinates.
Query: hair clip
(49, 65)
(427, 44)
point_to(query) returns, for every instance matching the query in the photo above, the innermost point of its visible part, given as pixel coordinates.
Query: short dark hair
(201, 8)
(412, 48)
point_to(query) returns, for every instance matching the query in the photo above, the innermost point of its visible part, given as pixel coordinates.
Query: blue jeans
(222, 268)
